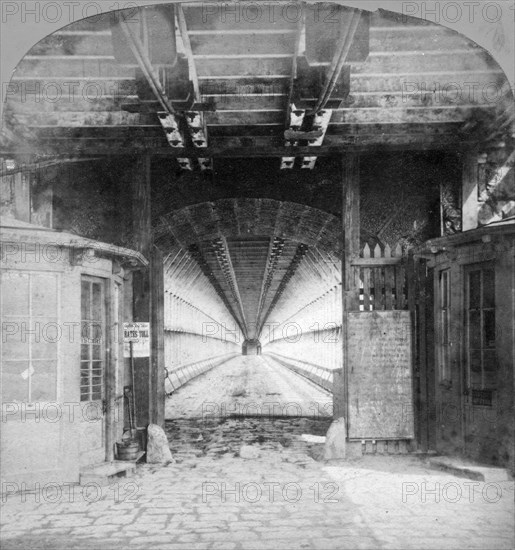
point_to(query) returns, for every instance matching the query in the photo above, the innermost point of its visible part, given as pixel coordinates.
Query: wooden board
(380, 375)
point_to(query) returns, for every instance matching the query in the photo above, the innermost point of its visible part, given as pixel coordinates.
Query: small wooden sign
(137, 335)
(483, 398)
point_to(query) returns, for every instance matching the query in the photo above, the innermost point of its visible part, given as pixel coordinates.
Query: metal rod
(146, 66)
(344, 46)
(189, 52)
(298, 36)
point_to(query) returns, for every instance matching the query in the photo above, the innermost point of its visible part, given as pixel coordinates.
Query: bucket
(141, 435)
(127, 450)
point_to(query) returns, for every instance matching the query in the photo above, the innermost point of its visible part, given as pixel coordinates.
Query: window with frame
(93, 327)
(29, 303)
(444, 325)
(480, 324)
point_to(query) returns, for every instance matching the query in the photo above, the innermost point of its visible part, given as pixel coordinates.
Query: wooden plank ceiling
(243, 86)
(203, 86)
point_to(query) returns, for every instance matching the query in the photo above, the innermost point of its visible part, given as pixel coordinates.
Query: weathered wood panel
(380, 375)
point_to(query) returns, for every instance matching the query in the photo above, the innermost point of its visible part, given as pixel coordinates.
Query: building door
(481, 364)
(93, 370)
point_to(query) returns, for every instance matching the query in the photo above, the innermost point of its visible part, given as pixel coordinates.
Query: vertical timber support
(142, 236)
(157, 349)
(110, 380)
(350, 287)
(142, 225)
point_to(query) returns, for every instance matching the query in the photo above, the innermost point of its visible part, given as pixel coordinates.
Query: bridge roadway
(249, 385)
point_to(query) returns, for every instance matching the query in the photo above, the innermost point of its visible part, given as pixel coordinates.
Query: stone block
(158, 451)
(335, 442)
(249, 452)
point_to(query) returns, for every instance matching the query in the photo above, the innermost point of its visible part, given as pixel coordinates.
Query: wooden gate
(389, 329)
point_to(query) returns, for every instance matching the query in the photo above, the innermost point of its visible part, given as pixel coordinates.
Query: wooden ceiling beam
(243, 67)
(234, 142)
(244, 134)
(239, 32)
(112, 148)
(21, 102)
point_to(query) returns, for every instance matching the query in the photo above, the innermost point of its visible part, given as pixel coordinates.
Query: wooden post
(157, 366)
(142, 237)
(141, 221)
(148, 302)
(110, 379)
(350, 286)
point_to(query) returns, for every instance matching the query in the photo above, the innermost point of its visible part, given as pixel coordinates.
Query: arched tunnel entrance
(253, 302)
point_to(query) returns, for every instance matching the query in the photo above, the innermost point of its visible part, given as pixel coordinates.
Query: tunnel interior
(265, 287)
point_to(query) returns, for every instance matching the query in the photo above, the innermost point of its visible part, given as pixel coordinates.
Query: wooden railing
(383, 278)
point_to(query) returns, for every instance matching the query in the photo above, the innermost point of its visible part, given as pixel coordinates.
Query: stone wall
(92, 199)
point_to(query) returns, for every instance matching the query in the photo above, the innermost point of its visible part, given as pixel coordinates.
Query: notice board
(380, 375)
(139, 335)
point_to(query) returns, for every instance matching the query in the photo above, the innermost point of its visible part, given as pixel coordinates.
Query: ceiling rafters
(223, 256)
(292, 314)
(301, 279)
(176, 228)
(197, 255)
(185, 271)
(311, 277)
(173, 268)
(275, 251)
(327, 264)
(246, 72)
(170, 258)
(290, 272)
(186, 283)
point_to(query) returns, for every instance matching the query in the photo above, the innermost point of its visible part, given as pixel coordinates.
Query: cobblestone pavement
(280, 498)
